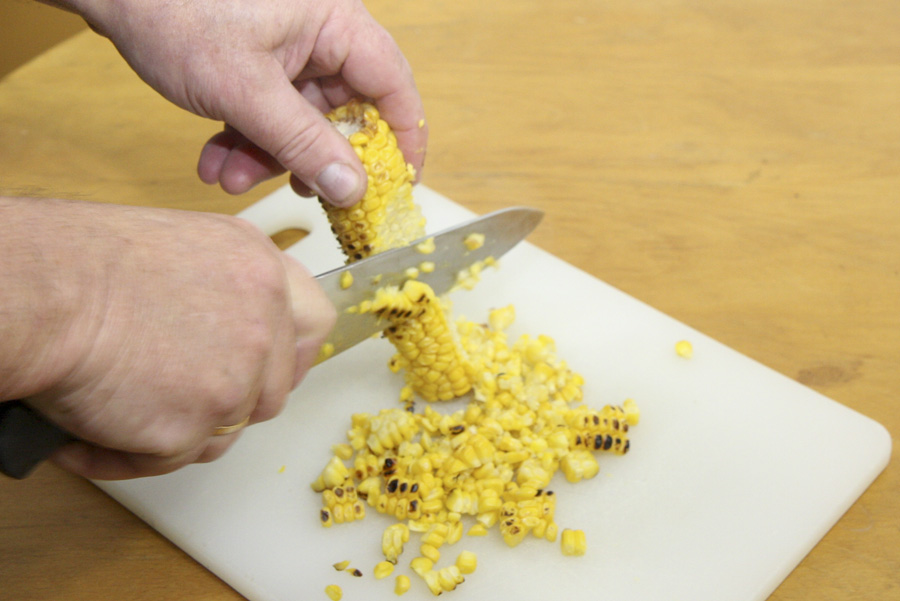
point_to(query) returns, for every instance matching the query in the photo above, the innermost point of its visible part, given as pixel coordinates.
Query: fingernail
(339, 184)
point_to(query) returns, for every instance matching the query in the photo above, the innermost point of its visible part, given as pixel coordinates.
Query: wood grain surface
(733, 164)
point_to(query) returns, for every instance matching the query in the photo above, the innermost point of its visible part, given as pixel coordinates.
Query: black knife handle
(26, 438)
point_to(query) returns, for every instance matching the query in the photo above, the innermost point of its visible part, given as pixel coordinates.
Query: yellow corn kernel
(346, 280)
(632, 413)
(430, 552)
(342, 565)
(386, 217)
(383, 569)
(426, 247)
(474, 241)
(421, 565)
(684, 349)
(477, 529)
(579, 465)
(342, 451)
(325, 352)
(426, 266)
(467, 562)
(450, 577)
(411, 273)
(392, 541)
(334, 592)
(402, 584)
(573, 542)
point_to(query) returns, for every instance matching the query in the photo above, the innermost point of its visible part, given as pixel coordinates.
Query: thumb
(278, 119)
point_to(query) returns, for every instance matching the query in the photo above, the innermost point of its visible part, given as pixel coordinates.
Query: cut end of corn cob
(386, 217)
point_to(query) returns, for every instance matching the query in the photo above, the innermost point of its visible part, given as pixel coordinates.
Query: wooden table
(734, 164)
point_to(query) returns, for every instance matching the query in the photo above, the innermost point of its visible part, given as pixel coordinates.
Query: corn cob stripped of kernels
(386, 217)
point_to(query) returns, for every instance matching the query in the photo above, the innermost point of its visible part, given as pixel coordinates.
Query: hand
(269, 69)
(177, 322)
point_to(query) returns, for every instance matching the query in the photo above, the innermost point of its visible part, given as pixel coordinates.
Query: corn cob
(386, 217)
(426, 345)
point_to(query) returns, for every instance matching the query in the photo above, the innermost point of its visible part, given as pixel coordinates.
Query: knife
(439, 260)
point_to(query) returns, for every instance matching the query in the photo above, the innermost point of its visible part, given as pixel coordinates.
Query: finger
(282, 122)
(234, 162)
(376, 68)
(99, 463)
(314, 316)
(300, 188)
(213, 156)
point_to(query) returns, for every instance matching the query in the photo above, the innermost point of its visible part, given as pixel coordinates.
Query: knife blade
(450, 258)
(27, 438)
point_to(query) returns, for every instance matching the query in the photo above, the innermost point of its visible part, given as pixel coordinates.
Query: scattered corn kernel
(684, 349)
(355, 572)
(383, 569)
(426, 247)
(326, 351)
(334, 592)
(427, 266)
(573, 542)
(477, 530)
(342, 565)
(346, 280)
(474, 241)
(411, 272)
(421, 123)
(402, 584)
(467, 562)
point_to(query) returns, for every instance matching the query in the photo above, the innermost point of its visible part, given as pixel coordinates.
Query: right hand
(181, 322)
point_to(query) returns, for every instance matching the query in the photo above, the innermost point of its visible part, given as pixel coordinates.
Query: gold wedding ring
(223, 430)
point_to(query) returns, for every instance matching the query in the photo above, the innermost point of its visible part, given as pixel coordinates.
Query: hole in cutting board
(286, 238)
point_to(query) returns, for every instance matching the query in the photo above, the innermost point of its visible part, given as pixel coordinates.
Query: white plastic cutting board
(735, 471)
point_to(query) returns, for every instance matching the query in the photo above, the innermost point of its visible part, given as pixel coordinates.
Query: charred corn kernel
(435, 366)
(383, 569)
(573, 542)
(346, 280)
(342, 565)
(467, 562)
(334, 592)
(402, 584)
(474, 241)
(426, 266)
(684, 349)
(355, 572)
(386, 217)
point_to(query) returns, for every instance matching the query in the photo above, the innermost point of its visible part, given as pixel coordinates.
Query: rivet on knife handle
(26, 439)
